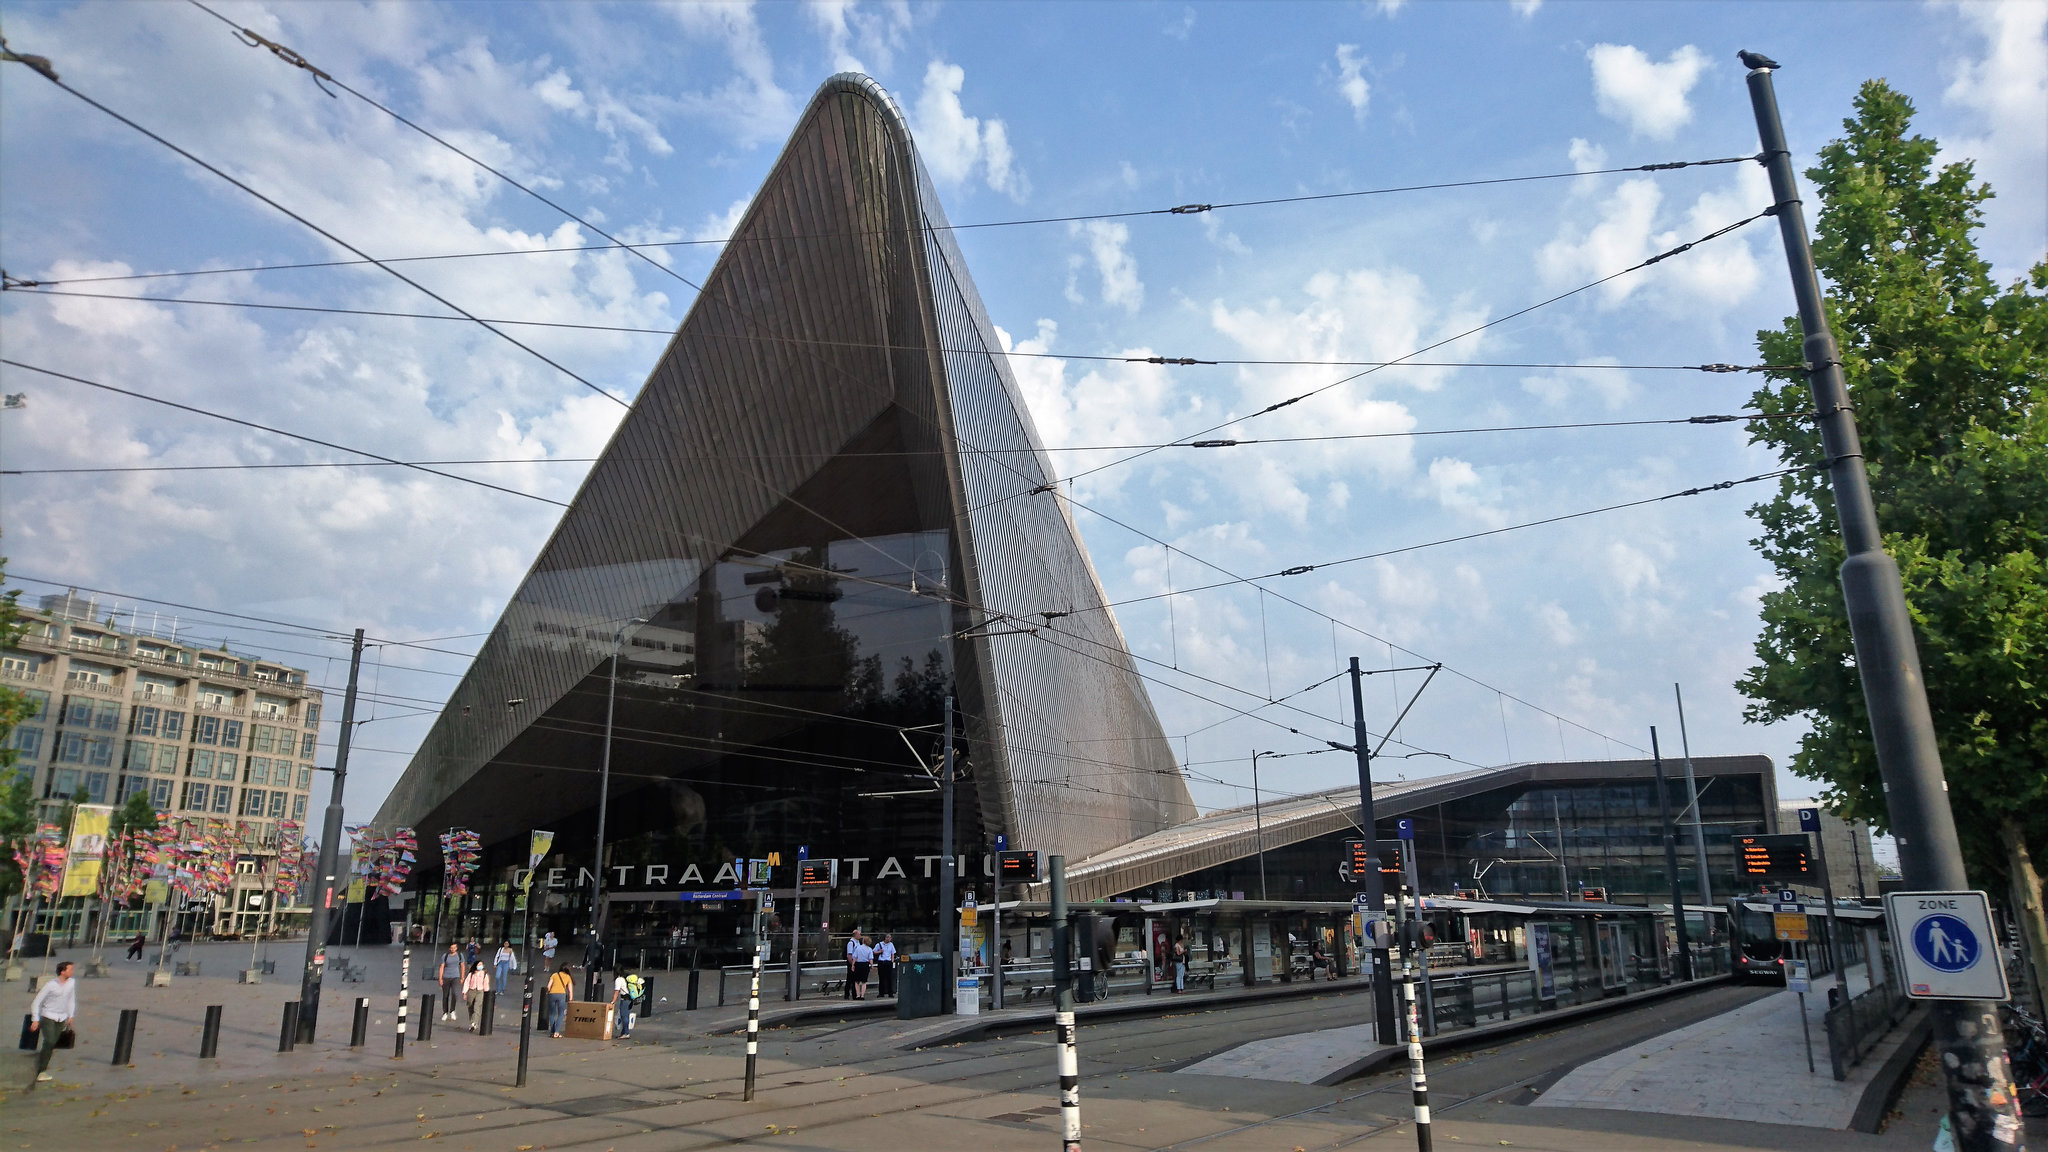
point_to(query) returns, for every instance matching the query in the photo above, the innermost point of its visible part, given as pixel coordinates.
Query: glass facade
(830, 509)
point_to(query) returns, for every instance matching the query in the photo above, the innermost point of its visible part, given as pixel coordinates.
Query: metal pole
(1671, 860)
(1805, 1032)
(948, 934)
(1967, 1034)
(1692, 804)
(1564, 876)
(1259, 825)
(1827, 890)
(1418, 1078)
(1856, 857)
(404, 985)
(604, 791)
(754, 1001)
(526, 997)
(796, 920)
(1375, 884)
(330, 837)
(1063, 1011)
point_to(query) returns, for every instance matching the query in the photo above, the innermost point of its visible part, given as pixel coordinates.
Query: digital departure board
(1772, 857)
(1389, 853)
(1017, 867)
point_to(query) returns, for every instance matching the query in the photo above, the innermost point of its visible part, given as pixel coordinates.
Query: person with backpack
(560, 985)
(627, 992)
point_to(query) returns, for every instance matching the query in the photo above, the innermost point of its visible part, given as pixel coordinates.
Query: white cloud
(751, 105)
(1647, 96)
(721, 225)
(1631, 568)
(1526, 9)
(849, 28)
(2007, 89)
(1180, 28)
(1586, 156)
(1389, 7)
(1556, 624)
(1612, 386)
(1351, 82)
(604, 112)
(1456, 485)
(1110, 404)
(955, 145)
(1114, 264)
(1713, 276)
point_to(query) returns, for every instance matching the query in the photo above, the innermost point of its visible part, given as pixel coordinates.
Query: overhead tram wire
(36, 288)
(279, 432)
(1713, 419)
(1430, 347)
(338, 241)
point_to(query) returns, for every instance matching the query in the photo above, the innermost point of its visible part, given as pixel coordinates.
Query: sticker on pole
(1945, 944)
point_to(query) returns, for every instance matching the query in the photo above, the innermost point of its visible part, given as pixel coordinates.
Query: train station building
(826, 514)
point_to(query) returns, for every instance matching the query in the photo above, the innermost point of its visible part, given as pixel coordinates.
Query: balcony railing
(97, 688)
(162, 699)
(219, 708)
(25, 676)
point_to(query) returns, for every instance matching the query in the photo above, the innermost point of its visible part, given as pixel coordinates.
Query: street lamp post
(1259, 823)
(604, 785)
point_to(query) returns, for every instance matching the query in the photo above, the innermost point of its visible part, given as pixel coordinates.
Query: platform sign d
(1946, 946)
(1809, 819)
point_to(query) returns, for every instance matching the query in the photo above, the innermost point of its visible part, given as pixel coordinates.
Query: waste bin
(918, 985)
(967, 996)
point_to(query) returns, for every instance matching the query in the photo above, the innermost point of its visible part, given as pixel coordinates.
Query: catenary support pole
(1375, 884)
(1670, 836)
(796, 928)
(1982, 1106)
(330, 837)
(1692, 805)
(1827, 892)
(754, 999)
(1258, 825)
(1418, 1077)
(949, 935)
(1063, 1010)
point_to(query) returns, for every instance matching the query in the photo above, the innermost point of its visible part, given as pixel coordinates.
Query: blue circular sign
(1945, 943)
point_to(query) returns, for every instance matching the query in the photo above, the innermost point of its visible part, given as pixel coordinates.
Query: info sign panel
(1945, 945)
(1772, 857)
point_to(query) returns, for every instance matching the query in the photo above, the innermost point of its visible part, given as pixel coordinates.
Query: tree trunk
(2026, 884)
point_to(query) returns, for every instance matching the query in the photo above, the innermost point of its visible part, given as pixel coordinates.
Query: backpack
(636, 988)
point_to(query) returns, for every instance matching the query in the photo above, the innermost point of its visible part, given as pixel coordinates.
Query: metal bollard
(359, 1035)
(426, 1017)
(288, 1038)
(404, 999)
(646, 1008)
(124, 1037)
(209, 1036)
(490, 1010)
(753, 1018)
(691, 1003)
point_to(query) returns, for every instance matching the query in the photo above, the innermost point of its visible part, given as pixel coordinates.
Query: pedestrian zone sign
(1946, 947)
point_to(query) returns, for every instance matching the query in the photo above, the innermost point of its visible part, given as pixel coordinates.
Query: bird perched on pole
(1755, 60)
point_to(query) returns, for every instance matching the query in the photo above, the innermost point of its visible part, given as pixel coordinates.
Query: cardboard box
(588, 1020)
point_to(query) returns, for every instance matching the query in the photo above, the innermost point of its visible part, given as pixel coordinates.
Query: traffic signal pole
(1982, 1106)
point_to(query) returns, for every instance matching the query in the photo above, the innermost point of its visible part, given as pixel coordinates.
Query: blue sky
(659, 121)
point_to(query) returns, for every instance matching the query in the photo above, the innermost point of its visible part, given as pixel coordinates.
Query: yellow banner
(88, 845)
(356, 890)
(537, 845)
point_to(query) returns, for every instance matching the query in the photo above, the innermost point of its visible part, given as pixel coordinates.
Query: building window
(201, 767)
(19, 664)
(206, 729)
(259, 770)
(167, 759)
(253, 801)
(85, 676)
(140, 756)
(28, 741)
(144, 720)
(78, 711)
(298, 807)
(99, 752)
(223, 799)
(305, 778)
(131, 785)
(63, 784)
(231, 733)
(96, 786)
(262, 738)
(196, 797)
(312, 713)
(174, 726)
(160, 795)
(226, 768)
(277, 800)
(39, 704)
(106, 716)
(306, 747)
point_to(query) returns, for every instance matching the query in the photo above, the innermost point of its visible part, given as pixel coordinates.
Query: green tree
(137, 815)
(1948, 372)
(17, 789)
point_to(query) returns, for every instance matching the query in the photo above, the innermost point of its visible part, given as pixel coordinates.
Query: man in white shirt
(622, 1007)
(885, 964)
(50, 1016)
(852, 943)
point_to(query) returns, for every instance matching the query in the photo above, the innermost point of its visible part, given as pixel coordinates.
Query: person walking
(49, 1018)
(548, 944)
(885, 964)
(560, 985)
(627, 990)
(474, 985)
(505, 963)
(1180, 965)
(135, 947)
(469, 954)
(593, 966)
(449, 972)
(863, 958)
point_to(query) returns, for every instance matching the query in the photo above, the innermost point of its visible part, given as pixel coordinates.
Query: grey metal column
(1692, 804)
(948, 867)
(330, 837)
(1375, 884)
(1966, 1033)
(1670, 837)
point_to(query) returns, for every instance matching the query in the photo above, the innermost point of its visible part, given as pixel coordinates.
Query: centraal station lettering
(851, 869)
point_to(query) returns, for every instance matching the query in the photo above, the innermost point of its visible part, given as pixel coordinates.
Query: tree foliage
(17, 789)
(1948, 373)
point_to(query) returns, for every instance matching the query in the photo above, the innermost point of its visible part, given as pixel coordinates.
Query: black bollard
(426, 1017)
(209, 1036)
(360, 1034)
(691, 1003)
(490, 1011)
(124, 1037)
(288, 1038)
(646, 1007)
